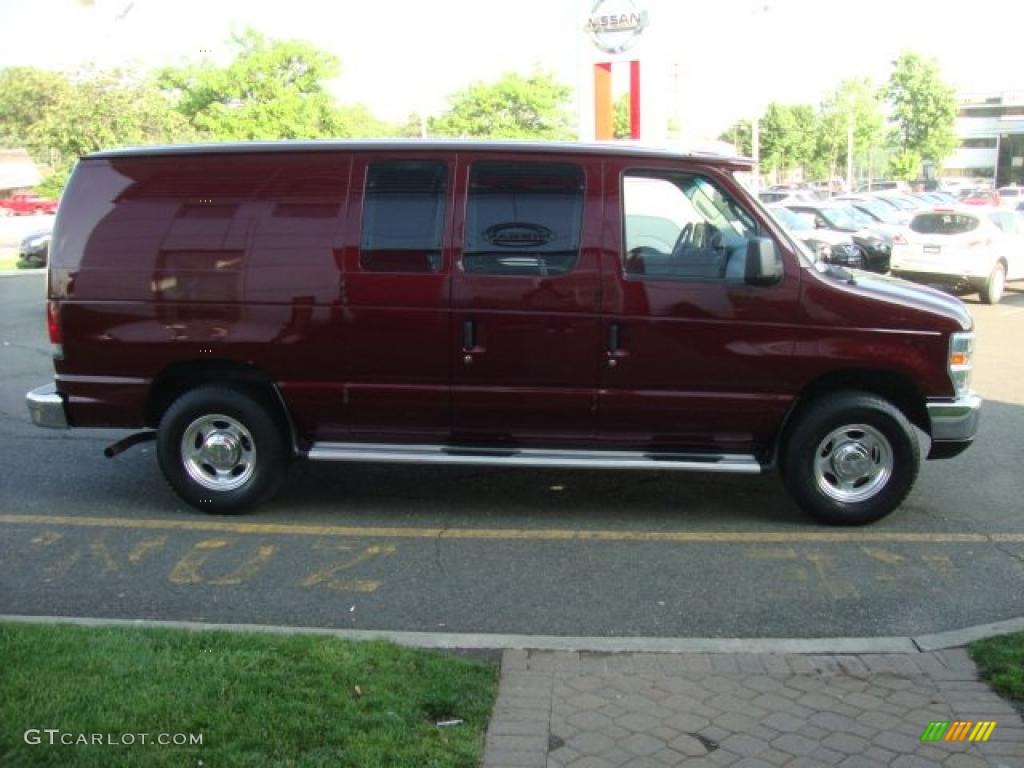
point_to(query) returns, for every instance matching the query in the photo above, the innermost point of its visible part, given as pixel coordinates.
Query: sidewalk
(559, 709)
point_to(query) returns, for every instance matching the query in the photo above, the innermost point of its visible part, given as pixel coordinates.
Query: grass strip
(1001, 661)
(256, 700)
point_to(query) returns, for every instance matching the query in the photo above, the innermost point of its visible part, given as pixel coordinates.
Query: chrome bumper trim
(46, 407)
(956, 419)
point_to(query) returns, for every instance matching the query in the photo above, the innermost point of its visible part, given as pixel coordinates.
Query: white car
(962, 249)
(1010, 196)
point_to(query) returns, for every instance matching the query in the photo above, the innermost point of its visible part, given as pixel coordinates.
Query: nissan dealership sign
(616, 25)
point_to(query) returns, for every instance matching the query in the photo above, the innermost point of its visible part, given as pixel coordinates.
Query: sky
(710, 63)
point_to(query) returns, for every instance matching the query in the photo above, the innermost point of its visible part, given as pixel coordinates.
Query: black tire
(825, 499)
(250, 429)
(992, 291)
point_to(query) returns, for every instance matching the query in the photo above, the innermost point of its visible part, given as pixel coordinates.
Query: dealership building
(990, 128)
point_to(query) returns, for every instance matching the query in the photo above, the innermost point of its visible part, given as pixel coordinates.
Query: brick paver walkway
(585, 710)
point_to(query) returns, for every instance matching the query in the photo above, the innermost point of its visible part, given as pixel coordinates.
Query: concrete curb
(955, 638)
(474, 641)
(20, 272)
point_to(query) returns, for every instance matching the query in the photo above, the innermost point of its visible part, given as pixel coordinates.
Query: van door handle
(614, 337)
(468, 335)
(615, 351)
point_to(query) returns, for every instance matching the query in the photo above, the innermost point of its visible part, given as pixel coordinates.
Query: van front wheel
(851, 459)
(220, 449)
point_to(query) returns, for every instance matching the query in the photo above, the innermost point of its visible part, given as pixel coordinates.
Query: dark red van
(485, 303)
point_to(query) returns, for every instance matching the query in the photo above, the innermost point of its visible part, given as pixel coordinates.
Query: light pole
(849, 151)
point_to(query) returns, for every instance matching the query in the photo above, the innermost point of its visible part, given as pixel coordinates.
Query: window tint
(523, 218)
(683, 227)
(943, 223)
(403, 216)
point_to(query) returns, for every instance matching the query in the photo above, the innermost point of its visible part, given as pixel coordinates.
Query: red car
(503, 304)
(982, 197)
(25, 205)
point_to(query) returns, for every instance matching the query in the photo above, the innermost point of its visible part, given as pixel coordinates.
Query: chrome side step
(531, 457)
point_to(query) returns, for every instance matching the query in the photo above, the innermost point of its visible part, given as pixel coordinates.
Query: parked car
(25, 205)
(885, 218)
(882, 185)
(839, 217)
(35, 248)
(827, 245)
(1010, 196)
(987, 197)
(772, 196)
(962, 250)
(897, 214)
(484, 303)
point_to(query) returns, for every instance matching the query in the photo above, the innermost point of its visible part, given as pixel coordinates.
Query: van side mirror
(764, 267)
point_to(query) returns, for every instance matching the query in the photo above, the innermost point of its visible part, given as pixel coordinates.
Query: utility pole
(849, 151)
(755, 151)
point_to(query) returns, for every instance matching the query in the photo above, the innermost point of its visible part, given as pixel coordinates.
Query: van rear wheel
(851, 459)
(221, 449)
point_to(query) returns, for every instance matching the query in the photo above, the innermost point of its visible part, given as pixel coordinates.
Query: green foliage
(257, 700)
(29, 97)
(73, 115)
(787, 136)
(512, 107)
(620, 117)
(739, 136)
(857, 101)
(923, 109)
(1001, 661)
(271, 89)
(905, 164)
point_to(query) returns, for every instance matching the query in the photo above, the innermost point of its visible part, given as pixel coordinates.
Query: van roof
(618, 149)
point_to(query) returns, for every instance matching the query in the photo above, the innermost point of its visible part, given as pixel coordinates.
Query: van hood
(896, 291)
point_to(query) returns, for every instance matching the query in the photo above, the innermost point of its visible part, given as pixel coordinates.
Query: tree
(88, 111)
(512, 107)
(272, 89)
(620, 117)
(740, 137)
(28, 97)
(853, 100)
(787, 136)
(923, 110)
(905, 165)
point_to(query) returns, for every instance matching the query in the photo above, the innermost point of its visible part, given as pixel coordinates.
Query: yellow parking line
(518, 534)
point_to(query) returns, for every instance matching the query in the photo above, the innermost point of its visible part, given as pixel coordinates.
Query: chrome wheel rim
(218, 452)
(853, 463)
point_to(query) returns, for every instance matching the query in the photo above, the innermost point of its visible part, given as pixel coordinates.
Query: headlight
(961, 360)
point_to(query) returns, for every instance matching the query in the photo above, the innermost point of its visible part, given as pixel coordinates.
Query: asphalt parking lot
(512, 551)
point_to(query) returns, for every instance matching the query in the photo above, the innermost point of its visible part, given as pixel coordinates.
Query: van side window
(682, 227)
(403, 216)
(523, 218)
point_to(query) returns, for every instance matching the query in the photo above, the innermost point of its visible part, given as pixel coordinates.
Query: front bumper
(46, 407)
(954, 423)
